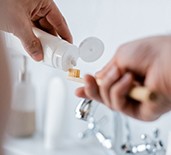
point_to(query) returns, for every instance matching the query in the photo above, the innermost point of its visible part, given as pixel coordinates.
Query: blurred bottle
(22, 117)
(56, 112)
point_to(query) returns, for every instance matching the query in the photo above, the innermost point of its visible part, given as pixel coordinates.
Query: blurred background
(114, 22)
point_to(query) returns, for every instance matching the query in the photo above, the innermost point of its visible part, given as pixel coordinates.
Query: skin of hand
(146, 61)
(5, 90)
(19, 16)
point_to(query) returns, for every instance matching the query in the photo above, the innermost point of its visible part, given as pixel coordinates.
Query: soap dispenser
(22, 117)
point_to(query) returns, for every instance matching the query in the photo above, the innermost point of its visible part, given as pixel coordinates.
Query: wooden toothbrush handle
(139, 93)
(142, 94)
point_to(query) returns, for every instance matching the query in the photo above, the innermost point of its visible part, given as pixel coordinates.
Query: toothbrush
(138, 93)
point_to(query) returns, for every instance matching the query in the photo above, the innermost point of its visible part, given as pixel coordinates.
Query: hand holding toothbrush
(146, 61)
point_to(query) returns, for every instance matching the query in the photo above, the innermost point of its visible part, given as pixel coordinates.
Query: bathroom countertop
(34, 146)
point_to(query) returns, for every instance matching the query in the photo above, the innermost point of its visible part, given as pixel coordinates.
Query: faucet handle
(127, 148)
(83, 109)
(156, 133)
(146, 138)
(85, 134)
(105, 141)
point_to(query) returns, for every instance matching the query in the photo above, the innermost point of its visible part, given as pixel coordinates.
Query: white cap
(91, 49)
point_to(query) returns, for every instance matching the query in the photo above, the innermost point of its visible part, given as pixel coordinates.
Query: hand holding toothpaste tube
(19, 16)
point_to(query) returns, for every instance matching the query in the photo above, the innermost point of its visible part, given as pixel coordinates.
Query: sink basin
(35, 146)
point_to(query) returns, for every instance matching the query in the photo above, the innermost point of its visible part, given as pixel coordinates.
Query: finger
(56, 19)
(135, 56)
(147, 111)
(118, 93)
(30, 42)
(80, 92)
(46, 26)
(41, 11)
(143, 111)
(91, 88)
(106, 80)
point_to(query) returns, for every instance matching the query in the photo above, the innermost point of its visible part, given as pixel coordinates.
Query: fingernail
(99, 81)
(112, 73)
(126, 77)
(37, 56)
(87, 84)
(36, 50)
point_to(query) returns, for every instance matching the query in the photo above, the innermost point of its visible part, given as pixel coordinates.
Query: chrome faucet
(149, 146)
(85, 111)
(93, 129)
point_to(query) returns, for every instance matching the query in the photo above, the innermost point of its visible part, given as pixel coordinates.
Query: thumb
(30, 42)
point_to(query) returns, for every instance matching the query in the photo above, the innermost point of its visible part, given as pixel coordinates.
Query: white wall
(115, 22)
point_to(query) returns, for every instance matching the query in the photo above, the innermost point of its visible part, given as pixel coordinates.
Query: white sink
(34, 146)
